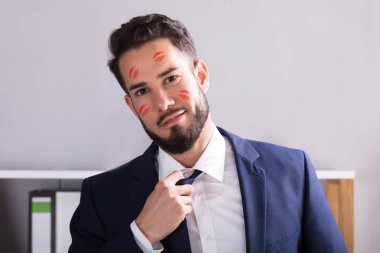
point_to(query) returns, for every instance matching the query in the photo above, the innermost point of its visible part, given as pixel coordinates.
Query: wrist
(145, 231)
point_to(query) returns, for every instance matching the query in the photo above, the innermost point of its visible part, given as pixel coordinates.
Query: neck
(190, 157)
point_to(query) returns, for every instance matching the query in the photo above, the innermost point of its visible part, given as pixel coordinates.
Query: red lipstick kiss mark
(133, 72)
(184, 94)
(158, 56)
(144, 110)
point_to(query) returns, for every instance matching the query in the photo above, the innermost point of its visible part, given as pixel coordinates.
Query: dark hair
(142, 29)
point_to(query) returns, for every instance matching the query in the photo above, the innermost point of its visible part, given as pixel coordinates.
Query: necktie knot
(190, 179)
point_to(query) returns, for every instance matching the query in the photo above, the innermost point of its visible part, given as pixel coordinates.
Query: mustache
(168, 113)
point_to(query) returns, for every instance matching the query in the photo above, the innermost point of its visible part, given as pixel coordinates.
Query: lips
(170, 117)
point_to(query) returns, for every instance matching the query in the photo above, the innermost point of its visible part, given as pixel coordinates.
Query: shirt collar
(211, 161)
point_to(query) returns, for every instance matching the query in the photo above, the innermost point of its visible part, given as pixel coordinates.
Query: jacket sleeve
(89, 234)
(320, 230)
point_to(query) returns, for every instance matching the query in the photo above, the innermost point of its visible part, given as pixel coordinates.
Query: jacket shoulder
(136, 166)
(122, 171)
(274, 151)
(263, 150)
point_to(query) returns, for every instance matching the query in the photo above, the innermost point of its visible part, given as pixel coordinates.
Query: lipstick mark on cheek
(133, 72)
(144, 110)
(184, 94)
(184, 97)
(158, 56)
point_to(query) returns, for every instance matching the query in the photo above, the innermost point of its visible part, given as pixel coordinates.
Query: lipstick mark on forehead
(133, 72)
(144, 110)
(157, 53)
(184, 94)
(158, 56)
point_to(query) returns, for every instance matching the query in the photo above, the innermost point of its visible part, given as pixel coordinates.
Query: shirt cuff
(143, 242)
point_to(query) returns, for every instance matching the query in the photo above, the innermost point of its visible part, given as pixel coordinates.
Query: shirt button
(207, 237)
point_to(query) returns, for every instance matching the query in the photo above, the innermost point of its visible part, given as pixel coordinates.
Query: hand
(165, 208)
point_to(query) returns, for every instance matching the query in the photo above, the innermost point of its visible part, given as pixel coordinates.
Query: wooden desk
(340, 195)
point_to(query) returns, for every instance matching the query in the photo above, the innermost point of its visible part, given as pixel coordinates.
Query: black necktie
(190, 179)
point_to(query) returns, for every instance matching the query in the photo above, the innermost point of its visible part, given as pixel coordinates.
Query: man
(246, 196)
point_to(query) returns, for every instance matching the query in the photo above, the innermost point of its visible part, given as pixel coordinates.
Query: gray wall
(298, 73)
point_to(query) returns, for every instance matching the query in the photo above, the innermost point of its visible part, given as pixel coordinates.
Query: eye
(171, 79)
(141, 91)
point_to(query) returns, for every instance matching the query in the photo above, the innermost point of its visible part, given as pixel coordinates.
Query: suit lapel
(146, 177)
(252, 187)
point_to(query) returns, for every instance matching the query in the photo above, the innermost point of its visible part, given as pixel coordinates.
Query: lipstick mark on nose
(133, 72)
(158, 56)
(184, 94)
(144, 110)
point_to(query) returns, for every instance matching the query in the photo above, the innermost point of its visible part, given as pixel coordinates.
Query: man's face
(166, 92)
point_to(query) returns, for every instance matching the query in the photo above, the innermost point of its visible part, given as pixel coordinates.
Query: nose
(163, 100)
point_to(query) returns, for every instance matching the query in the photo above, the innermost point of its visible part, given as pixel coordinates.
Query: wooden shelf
(336, 174)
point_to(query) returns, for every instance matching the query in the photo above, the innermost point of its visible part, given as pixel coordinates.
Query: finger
(188, 209)
(186, 200)
(174, 177)
(184, 190)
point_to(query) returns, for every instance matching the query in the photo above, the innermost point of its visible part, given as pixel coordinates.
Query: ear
(201, 74)
(129, 102)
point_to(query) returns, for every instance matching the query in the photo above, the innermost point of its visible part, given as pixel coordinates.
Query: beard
(180, 139)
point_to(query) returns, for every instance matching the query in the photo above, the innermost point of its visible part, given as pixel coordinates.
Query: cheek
(184, 94)
(144, 110)
(133, 72)
(158, 56)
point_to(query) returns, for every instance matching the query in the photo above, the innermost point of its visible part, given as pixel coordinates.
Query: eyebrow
(136, 86)
(142, 84)
(166, 72)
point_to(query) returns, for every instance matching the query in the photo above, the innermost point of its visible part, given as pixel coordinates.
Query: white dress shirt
(217, 222)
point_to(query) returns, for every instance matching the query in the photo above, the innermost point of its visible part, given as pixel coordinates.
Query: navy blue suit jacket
(285, 209)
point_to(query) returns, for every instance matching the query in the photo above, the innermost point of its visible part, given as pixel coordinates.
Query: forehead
(150, 52)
